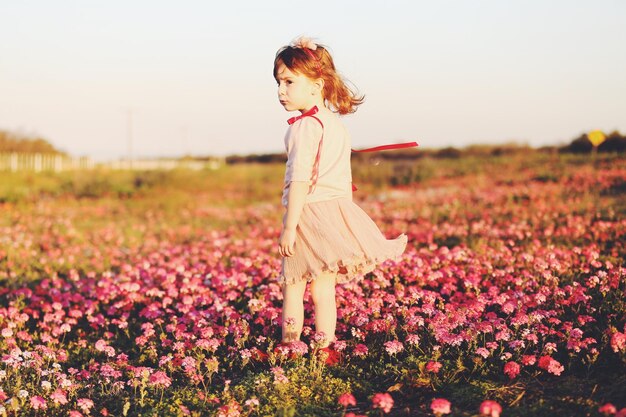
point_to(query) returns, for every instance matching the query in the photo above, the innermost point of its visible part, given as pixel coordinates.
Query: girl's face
(296, 91)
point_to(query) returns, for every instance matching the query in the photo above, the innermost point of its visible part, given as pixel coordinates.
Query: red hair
(318, 64)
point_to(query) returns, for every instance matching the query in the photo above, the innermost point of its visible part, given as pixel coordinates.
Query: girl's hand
(287, 242)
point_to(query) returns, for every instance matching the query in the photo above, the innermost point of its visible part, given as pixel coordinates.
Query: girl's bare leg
(293, 311)
(323, 294)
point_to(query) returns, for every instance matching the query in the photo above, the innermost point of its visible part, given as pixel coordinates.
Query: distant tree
(235, 159)
(510, 149)
(448, 153)
(14, 142)
(614, 143)
(579, 145)
(270, 158)
(254, 158)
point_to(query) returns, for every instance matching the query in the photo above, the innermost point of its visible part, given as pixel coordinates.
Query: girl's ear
(319, 85)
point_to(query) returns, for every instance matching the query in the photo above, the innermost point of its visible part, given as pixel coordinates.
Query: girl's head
(304, 57)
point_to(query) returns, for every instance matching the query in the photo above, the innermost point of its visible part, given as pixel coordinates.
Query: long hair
(316, 64)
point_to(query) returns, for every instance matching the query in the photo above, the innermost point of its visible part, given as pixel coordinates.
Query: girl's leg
(323, 294)
(293, 311)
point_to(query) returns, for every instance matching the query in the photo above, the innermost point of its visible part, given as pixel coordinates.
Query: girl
(326, 238)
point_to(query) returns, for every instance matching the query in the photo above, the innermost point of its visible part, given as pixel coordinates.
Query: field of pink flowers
(510, 299)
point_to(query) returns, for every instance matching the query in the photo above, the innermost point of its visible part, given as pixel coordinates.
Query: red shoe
(332, 356)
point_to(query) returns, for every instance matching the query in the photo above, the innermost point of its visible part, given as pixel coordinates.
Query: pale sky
(196, 76)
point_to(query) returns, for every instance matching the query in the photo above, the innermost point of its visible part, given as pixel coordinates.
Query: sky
(109, 79)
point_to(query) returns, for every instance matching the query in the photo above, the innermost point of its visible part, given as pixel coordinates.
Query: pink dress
(333, 233)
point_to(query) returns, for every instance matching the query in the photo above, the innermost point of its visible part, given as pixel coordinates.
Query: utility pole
(129, 138)
(184, 140)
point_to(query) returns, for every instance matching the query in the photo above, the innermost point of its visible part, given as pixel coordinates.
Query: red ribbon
(385, 148)
(388, 147)
(314, 110)
(315, 59)
(309, 112)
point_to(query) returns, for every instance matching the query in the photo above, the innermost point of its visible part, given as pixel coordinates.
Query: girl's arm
(298, 191)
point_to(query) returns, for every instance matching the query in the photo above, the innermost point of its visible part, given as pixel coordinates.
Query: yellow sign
(596, 137)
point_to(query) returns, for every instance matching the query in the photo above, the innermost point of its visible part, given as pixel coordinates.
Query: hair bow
(304, 43)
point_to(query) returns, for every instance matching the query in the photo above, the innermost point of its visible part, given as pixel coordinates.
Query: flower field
(156, 301)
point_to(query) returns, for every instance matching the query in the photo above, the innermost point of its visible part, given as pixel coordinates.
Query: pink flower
(160, 379)
(607, 409)
(299, 347)
(440, 406)
(59, 397)
(245, 353)
(621, 413)
(433, 366)
(232, 409)
(108, 371)
(38, 402)
(512, 369)
(101, 345)
(84, 404)
(413, 339)
(550, 347)
(528, 360)
(393, 346)
(482, 352)
(551, 365)
(339, 345)
(282, 350)
(74, 413)
(618, 342)
(279, 375)
(252, 402)
(347, 399)
(188, 362)
(319, 338)
(490, 408)
(384, 401)
(361, 350)
(210, 344)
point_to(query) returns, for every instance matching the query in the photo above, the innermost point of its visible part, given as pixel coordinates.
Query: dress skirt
(337, 236)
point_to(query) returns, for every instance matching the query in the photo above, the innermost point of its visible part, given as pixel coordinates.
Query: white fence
(37, 162)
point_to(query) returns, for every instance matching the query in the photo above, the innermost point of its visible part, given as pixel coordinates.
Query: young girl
(326, 238)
